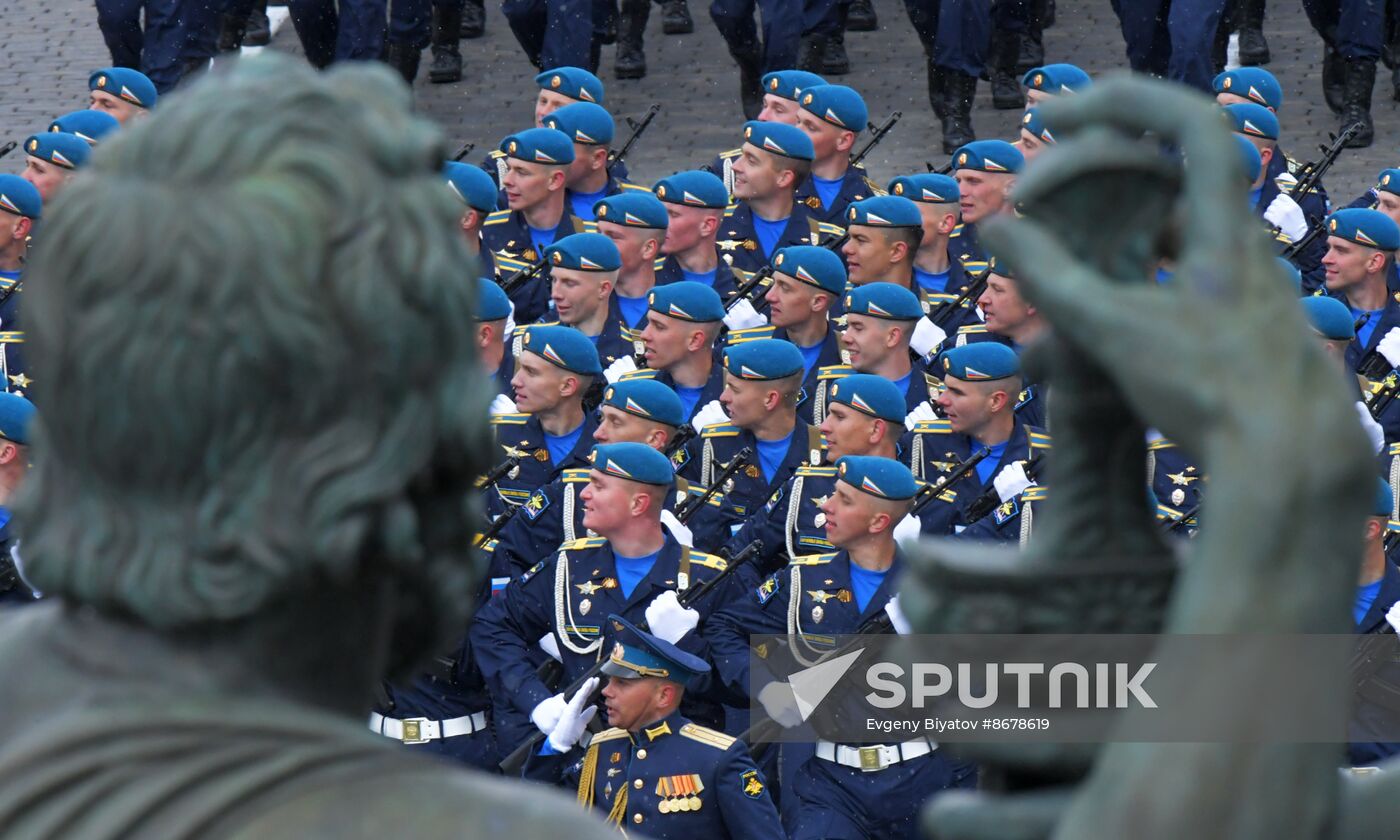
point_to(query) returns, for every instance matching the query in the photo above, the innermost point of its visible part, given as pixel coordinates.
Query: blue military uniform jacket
(668, 270)
(748, 490)
(522, 435)
(456, 690)
(1176, 479)
(1379, 701)
(1389, 319)
(738, 242)
(1002, 525)
(810, 408)
(854, 187)
(507, 237)
(933, 302)
(674, 780)
(12, 364)
(1309, 261)
(963, 244)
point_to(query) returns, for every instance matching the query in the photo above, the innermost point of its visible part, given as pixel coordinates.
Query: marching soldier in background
(557, 88)
(556, 33)
(584, 268)
(474, 189)
(833, 116)
(682, 322)
(588, 180)
(636, 222)
(1352, 33)
(124, 93)
(695, 203)
(1051, 80)
(781, 90)
(20, 209)
(1360, 248)
(1035, 137)
(986, 171)
(939, 274)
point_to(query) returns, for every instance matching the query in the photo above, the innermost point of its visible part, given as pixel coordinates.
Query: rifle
(988, 501)
(930, 491)
(498, 472)
(1391, 538)
(464, 151)
(8, 147)
(1312, 172)
(876, 135)
(939, 170)
(973, 291)
(501, 521)
(1303, 242)
(520, 277)
(512, 763)
(689, 507)
(1373, 365)
(614, 158)
(1382, 398)
(683, 435)
(1181, 521)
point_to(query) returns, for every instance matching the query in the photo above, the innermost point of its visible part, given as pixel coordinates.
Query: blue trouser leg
(1355, 28)
(1011, 15)
(782, 32)
(527, 19)
(167, 26)
(120, 23)
(200, 21)
(923, 14)
(360, 36)
(734, 20)
(1145, 34)
(410, 22)
(1192, 24)
(823, 17)
(316, 23)
(568, 34)
(964, 27)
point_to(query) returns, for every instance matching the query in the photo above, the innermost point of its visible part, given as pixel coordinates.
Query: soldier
(124, 93)
(1173, 40)
(675, 778)
(553, 432)
(783, 28)
(636, 223)
(588, 180)
(53, 159)
(492, 350)
(1352, 36)
(556, 33)
(1373, 612)
(940, 276)
(536, 214)
(1257, 85)
(842, 791)
(1331, 321)
(883, 232)
(584, 266)
(781, 90)
(476, 191)
(16, 414)
(20, 209)
(1051, 80)
(986, 171)
(683, 321)
(955, 37)
(695, 203)
(833, 116)
(90, 125)
(557, 88)
(1360, 247)
(1034, 135)
(631, 60)
(444, 711)
(880, 321)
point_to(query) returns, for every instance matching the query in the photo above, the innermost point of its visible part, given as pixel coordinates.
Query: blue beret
(870, 394)
(1389, 181)
(66, 150)
(836, 104)
(636, 654)
(812, 265)
(693, 188)
(573, 82)
(1385, 499)
(1253, 83)
(1057, 79)
(584, 252)
(492, 304)
(884, 300)
(1371, 228)
(125, 83)
(540, 145)
(633, 208)
(788, 84)
(780, 139)
(1293, 273)
(926, 188)
(766, 358)
(20, 197)
(981, 361)
(989, 156)
(885, 211)
(883, 478)
(634, 462)
(1330, 317)
(472, 186)
(89, 125)
(585, 122)
(1000, 268)
(564, 347)
(1032, 122)
(1252, 120)
(646, 398)
(1250, 161)
(688, 301)
(16, 413)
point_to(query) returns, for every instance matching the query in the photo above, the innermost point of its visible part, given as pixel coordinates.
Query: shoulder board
(834, 371)
(750, 334)
(705, 735)
(589, 227)
(873, 187)
(497, 217)
(732, 153)
(1038, 440)
(957, 229)
(933, 427)
(830, 229)
(575, 476)
(509, 419)
(641, 373)
(628, 185)
(719, 430)
(813, 559)
(1160, 444)
(808, 472)
(608, 735)
(489, 546)
(586, 542)
(1034, 493)
(1392, 525)
(696, 491)
(709, 561)
(729, 211)
(970, 329)
(1395, 449)
(658, 263)
(495, 153)
(1164, 512)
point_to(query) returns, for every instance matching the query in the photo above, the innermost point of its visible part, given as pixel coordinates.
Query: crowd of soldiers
(721, 403)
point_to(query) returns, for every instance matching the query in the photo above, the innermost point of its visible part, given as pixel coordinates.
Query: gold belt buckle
(413, 731)
(870, 759)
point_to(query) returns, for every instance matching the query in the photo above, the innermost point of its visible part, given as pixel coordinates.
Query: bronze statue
(1219, 362)
(249, 498)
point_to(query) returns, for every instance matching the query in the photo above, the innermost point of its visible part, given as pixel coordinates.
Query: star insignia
(20, 381)
(820, 500)
(819, 596)
(1183, 479)
(515, 452)
(727, 244)
(587, 588)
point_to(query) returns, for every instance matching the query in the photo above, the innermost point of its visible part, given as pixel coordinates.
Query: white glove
(616, 369)
(1371, 427)
(510, 320)
(711, 414)
(907, 529)
(502, 405)
(573, 721)
(779, 702)
(1389, 346)
(1393, 616)
(897, 619)
(550, 645)
(927, 335)
(1285, 214)
(744, 316)
(677, 529)
(545, 716)
(668, 620)
(923, 411)
(1011, 480)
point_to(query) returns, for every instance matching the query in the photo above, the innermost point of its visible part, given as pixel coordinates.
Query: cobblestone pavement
(48, 47)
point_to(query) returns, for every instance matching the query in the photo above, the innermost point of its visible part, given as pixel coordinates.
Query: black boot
(958, 89)
(811, 53)
(937, 89)
(1333, 78)
(232, 31)
(835, 62)
(1254, 49)
(1001, 70)
(675, 18)
(630, 62)
(749, 57)
(1031, 53)
(1360, 79)
(447, 58)
(473, 19)
(861, 17)
(403, 58)
(259, 29)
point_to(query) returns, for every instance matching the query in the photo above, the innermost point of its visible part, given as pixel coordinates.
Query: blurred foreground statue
(1218, 360)
(249, 498)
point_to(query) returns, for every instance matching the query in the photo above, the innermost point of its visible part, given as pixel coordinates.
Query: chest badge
(818, 612)
(584, 606)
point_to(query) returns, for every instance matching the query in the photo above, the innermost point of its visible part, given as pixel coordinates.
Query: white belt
(875, 757)
(422, 730)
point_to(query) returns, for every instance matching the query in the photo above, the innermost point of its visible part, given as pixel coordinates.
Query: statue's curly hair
(253, 319)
